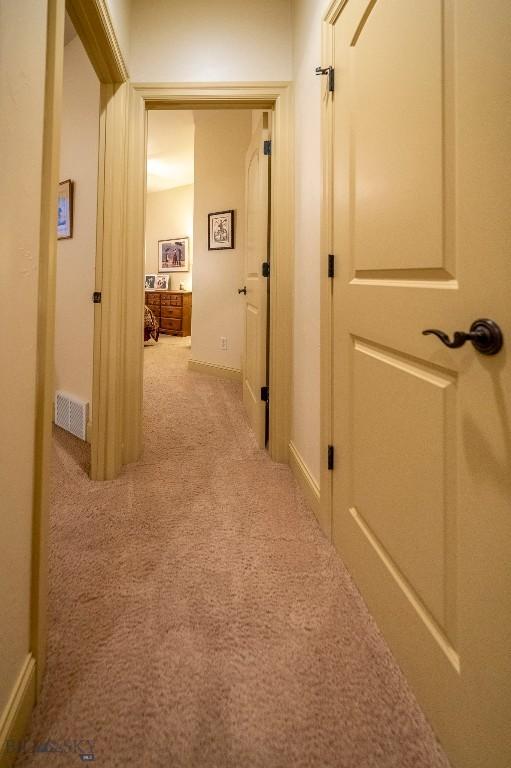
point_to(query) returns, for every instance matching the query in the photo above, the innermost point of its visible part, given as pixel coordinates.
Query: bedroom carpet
(199, 618)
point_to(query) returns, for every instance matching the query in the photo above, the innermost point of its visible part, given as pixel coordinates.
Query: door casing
(272, 96)
(326, 303)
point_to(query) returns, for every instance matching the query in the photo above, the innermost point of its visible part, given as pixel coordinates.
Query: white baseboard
(15, 717)
(215, 370)
(305, 479)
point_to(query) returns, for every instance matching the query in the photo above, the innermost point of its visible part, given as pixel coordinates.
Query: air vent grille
(71, 414)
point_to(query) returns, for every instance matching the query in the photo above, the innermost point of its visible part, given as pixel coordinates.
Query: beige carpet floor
(199, 618)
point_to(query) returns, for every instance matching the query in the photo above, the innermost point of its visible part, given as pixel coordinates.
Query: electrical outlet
(223, 343)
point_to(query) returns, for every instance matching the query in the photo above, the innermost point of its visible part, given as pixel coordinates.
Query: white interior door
(422, 234)
(256, 253)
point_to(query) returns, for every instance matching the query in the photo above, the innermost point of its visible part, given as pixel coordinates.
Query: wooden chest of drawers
(173, 310)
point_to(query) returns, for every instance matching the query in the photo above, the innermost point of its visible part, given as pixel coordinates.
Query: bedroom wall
(202, 41)
(169, 214)
(22, 75)
(74, 326)
(219, 185)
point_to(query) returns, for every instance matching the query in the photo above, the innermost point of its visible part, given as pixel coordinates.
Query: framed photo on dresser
(162, 282)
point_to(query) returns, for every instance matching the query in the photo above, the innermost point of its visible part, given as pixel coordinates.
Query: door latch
(329, 71)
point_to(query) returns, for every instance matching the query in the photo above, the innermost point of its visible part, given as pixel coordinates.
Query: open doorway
(169, 227)
(207, 248)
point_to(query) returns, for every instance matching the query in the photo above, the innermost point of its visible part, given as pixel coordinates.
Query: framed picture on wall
(173, 255)
(65, 210)
(220, 230)
(162, 282)
(150, 281)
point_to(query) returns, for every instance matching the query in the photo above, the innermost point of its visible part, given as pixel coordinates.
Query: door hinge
(265, 394)
(96, 297)
(331, 77)
(266, 269)
(267, 147)
(330, 457)
(331, 265)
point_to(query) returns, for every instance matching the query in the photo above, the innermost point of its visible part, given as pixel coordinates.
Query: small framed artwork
(173, 255)
(162, 282)
(65, 210)
(220, 230)
(150, 281)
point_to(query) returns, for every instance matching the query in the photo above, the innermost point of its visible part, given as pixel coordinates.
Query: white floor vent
(71, 414)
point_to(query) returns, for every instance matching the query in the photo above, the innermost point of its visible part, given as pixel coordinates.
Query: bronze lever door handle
(485, 335)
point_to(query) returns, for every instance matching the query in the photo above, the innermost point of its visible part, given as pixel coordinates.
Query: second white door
(256, 304)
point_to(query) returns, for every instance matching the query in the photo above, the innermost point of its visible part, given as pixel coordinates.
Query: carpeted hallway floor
(199, 618)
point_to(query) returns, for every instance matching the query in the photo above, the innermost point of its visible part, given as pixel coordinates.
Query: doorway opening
(208, 248)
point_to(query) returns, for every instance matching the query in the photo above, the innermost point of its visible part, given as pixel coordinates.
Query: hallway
(199, 618)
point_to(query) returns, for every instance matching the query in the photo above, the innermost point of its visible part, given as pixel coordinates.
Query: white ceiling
(170, 139)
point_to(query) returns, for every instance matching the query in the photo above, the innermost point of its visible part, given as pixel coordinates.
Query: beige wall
(74, 320)
(169, 214)
(219, 185)
(307, 15)
(199, 40)
(22, 71)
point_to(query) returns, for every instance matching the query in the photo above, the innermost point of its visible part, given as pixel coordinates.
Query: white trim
(15, 717)
(93, 23)
(305, 479)
(214, 369)
(276, 96)
(326, 316)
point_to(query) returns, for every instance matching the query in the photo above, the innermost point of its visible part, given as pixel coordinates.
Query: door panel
(396, 59)
(407, 512)
(252, 343)
(422, 488)
(256, 252)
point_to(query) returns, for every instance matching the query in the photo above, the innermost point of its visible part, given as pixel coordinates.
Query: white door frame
(274, 96)
(326, 357)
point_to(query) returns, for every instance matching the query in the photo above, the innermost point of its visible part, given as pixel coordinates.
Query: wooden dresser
(173, 310)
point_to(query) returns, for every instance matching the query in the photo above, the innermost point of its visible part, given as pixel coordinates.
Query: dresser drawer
(170, 324)
(167, 310)
(172, 299)
(152, 298)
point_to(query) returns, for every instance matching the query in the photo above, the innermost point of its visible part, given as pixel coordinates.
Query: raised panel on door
(253, 251)
(414, 421)
(252, 397)
(396, 62)
(408, 440)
